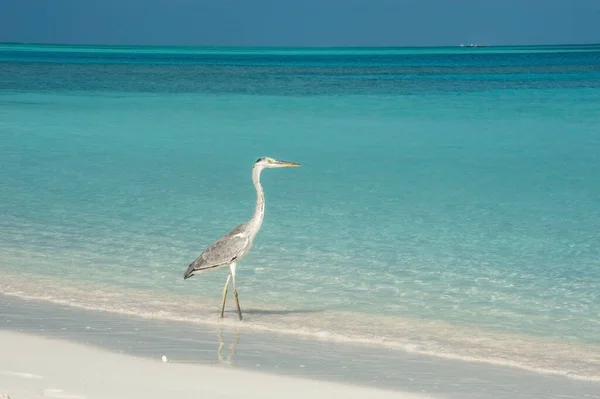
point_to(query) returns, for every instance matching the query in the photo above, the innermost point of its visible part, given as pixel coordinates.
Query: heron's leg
(235, 293)
(225, 295)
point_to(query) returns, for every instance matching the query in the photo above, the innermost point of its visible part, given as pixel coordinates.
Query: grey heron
(233, 246)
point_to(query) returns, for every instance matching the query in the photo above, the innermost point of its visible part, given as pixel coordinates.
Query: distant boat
(473, 45)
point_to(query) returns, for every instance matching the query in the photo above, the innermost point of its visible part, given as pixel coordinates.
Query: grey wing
(223, 252)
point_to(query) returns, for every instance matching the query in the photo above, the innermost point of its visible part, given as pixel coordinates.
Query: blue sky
(301, 22)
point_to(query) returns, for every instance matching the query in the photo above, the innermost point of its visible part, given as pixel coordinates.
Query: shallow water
(447, 201)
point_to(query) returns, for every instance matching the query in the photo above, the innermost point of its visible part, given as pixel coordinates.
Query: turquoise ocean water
(448, 201)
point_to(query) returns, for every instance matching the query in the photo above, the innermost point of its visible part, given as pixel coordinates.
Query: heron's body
(232, 247)
(235, 245)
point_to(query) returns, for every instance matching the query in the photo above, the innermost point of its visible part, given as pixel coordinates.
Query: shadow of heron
(281, 312)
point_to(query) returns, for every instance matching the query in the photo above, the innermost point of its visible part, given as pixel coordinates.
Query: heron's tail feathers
(195, 268)
(190, 271)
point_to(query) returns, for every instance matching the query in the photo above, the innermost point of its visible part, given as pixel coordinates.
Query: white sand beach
(36, 367)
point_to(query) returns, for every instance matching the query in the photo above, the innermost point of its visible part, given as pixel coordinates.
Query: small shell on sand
(4, 396)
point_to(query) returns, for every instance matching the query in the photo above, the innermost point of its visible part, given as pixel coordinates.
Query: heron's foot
(223, 308)
(224, 295)
(237, 302)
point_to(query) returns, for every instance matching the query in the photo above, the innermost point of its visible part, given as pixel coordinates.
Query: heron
(235, 245)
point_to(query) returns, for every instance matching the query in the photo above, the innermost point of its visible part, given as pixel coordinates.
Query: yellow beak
(288, 164)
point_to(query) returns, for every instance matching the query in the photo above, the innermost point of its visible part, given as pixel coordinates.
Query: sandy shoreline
(37, 367)
(221, 352)
(455, 343)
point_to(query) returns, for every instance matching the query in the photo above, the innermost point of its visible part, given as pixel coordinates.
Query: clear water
(447, 202)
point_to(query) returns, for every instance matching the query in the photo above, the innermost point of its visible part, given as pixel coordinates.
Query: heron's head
(266, 162)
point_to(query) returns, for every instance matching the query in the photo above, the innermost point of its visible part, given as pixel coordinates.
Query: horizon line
(460, 45)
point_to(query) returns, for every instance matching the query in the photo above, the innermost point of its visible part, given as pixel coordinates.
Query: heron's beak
(287, 164)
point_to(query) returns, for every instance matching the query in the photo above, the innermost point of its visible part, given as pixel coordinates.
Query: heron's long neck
(259, 211)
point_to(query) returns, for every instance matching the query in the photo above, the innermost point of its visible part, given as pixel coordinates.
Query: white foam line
(21, 375)
(59, 393)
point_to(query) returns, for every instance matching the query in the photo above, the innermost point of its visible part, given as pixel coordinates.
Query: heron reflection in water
(232, 347)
